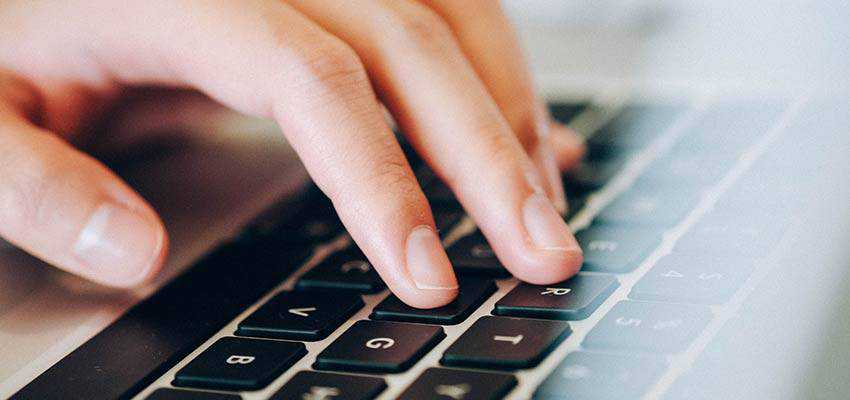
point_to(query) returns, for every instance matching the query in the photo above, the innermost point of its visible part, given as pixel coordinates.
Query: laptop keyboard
(500, 337)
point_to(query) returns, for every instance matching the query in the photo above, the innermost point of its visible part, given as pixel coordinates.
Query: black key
(651, 327)
(693, 278)
(472, 255)
(318, 223)
(240, 364)
(643, 205)
(565, 112)
(180, 394)
(311, 385)
(163, 329)
(573, 299)
(446, 218)
(438, 193)
(473, 292)
(378, 346)
(591, 175)
(575, 203)
(300, 315)
(505, 343)
(616, 249)
(587, 376)
(454, 384)
(346, 270)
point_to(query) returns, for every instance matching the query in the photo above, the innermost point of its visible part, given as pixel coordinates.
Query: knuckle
(328, 73)
(331, 62)
(421, 27)
(390, 176)
(504, 148)
(22, 195)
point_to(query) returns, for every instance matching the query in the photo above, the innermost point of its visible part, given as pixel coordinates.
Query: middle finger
(426, 81)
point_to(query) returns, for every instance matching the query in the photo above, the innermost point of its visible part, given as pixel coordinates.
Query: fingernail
(119, 246)
(545, 226)
(427, 261)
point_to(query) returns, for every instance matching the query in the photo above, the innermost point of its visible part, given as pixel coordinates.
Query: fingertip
(120, 247)
(551, 267)
(427, 298)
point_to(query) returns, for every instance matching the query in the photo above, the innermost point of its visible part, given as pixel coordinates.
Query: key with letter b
(240, 364)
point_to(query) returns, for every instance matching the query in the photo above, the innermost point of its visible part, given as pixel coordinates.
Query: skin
(451, 73)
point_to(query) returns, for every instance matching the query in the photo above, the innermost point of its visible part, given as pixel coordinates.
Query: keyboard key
(575, 203)
(742, 237)
(240, 364)
(636, 125)
(505, 343)
(591, 175)
(472, 255)
(616, 249)
(446, 219)
(573, 299)
(696, 169)
(731, 127)
(179, 394)
(473, 292)
(645, 206)
(454, 384)
(301, 316)
(439, 194)
(311, 385)
(347, 270)
(378, 346)
(693, 278)
(565, 112)
(318, 223)
(650, 327)
(589, 376)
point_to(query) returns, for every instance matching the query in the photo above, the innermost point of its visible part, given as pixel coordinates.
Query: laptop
(710, 206)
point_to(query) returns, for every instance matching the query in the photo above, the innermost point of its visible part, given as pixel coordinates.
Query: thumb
(69, 210)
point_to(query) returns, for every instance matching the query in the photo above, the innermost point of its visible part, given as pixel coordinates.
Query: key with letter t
(505, 343)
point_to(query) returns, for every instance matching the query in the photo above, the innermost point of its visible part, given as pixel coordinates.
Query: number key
(584, 375)
(651, 327)
(693, 278)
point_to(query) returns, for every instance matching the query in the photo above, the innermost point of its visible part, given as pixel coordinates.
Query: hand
(451, 73)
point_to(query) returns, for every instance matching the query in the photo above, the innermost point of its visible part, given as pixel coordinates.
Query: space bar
(154, 335)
